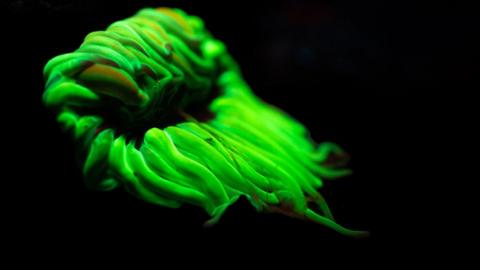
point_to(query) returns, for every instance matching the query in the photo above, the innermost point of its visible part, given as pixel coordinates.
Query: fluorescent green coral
(115, 93)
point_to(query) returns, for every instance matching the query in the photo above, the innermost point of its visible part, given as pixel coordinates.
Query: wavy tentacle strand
(117, 93)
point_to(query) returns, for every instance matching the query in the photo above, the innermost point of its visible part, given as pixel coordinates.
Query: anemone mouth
(158, 106)
(170, 116)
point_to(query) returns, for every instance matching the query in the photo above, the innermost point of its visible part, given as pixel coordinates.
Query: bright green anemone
(157, 105)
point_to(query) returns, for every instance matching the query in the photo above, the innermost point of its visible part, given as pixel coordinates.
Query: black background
(359, 73)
